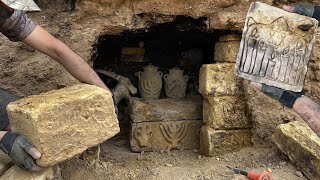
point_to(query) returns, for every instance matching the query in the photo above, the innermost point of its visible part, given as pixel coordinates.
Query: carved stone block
(219, 80)
(17, 173)
(226, 51)
(301, 145)
(5, 162)
(273, 49)
(217, 142)
(157, 136)
(65, 122)
(228, 112)
(166, 109)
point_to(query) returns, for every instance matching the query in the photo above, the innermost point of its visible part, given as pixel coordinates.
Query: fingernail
(35, 153)
(288, 8)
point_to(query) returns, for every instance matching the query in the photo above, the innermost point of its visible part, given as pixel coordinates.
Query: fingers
(288, 8)
(34, 153)
(256, 85)
(36, 168)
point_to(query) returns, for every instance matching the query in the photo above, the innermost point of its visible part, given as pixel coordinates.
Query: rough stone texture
(273, 49)
(219, 80)
(230, 37)
(157, 136)
(266, 114)
(5, 162)
(65, 122)
(16, 173)
(301, 145)
(226, 51)
(228, 112)
(166, 109)
(217, 142)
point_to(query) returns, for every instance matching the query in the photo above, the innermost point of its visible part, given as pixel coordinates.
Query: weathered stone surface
(157, 136)
(301, 145)
(65, 122)
(228, 112)
(230, 37)
(217, 142)
(219, 80)
(5, 162)
(166, 109)
(226, 51)
(16, 173)
(273, 49)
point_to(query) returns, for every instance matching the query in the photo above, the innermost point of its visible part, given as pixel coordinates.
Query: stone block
(157, 136)
(226, 51)
(65, 122)
(219, 80)
(301, 145)
(227, 112)
(16, 173)
(5, 162)
(217, 142)
(189, 108)
(273, 49)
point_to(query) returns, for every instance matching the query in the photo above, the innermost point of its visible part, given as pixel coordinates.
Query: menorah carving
(150, 89)
(174, 133)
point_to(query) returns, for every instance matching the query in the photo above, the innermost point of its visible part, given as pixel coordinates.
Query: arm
(44, 42)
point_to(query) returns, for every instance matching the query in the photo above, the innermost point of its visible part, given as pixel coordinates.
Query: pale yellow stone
(16, 173)
(5, 162)
(219, 80)
(301, 145)
(217, 142)
(157, 136)
(65, 122)
(226, 51)
(230, 37)
(227, 112)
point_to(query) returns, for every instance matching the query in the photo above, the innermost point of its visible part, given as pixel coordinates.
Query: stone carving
(273, 49)
(174, 133)
(175, 83)
(150, 82)
(142, 135)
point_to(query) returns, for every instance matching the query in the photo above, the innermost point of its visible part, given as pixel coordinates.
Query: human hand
(21, 151)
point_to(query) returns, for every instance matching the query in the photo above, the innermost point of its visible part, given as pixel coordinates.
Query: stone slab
(16, 173)
(301, 145)
(217, 142)
(227, 112)
(166, 109)
(65, 122)
(5, 162)
(226, 51)
(230, 37)
(161, 136)
(273, 49)
(219, 80)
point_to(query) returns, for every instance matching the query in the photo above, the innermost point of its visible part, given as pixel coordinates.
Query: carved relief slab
(274, 50)
(158, 136)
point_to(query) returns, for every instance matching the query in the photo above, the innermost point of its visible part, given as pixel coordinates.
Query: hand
(21, 151)
(303, 9)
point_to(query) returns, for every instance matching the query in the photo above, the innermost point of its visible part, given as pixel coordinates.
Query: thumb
(288, 8)
(34, 153)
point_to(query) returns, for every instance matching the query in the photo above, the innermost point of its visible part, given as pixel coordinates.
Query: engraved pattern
(25, 5)
(174, 133)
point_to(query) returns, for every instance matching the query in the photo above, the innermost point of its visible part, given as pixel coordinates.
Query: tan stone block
(227, 112)
(166, 109)
(157, 136)
(301, 145)
(65, 122)
(217, 142)
(5, 162)
(219, 80)
(16, 173)
(230, 37)
(226, 51)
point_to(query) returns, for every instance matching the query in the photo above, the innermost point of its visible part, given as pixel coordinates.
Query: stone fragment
(226, 51)
(273, 49)
(230, 37)
(65, 122)
(5, 162)
(189, 108)
(227, 112)
(301, 145)
(217, 142)
(16, 173)
(157, 136)
(219, 80)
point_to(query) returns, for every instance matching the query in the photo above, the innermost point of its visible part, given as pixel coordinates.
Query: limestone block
(166, 109)
(16, 173)
(301, 145)
(219, 80)
(226, 51)
(5, 162)
(230, 37)
(273, 49)
(65, 122)
(217, 142)
(157, 136)
(227, 112)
